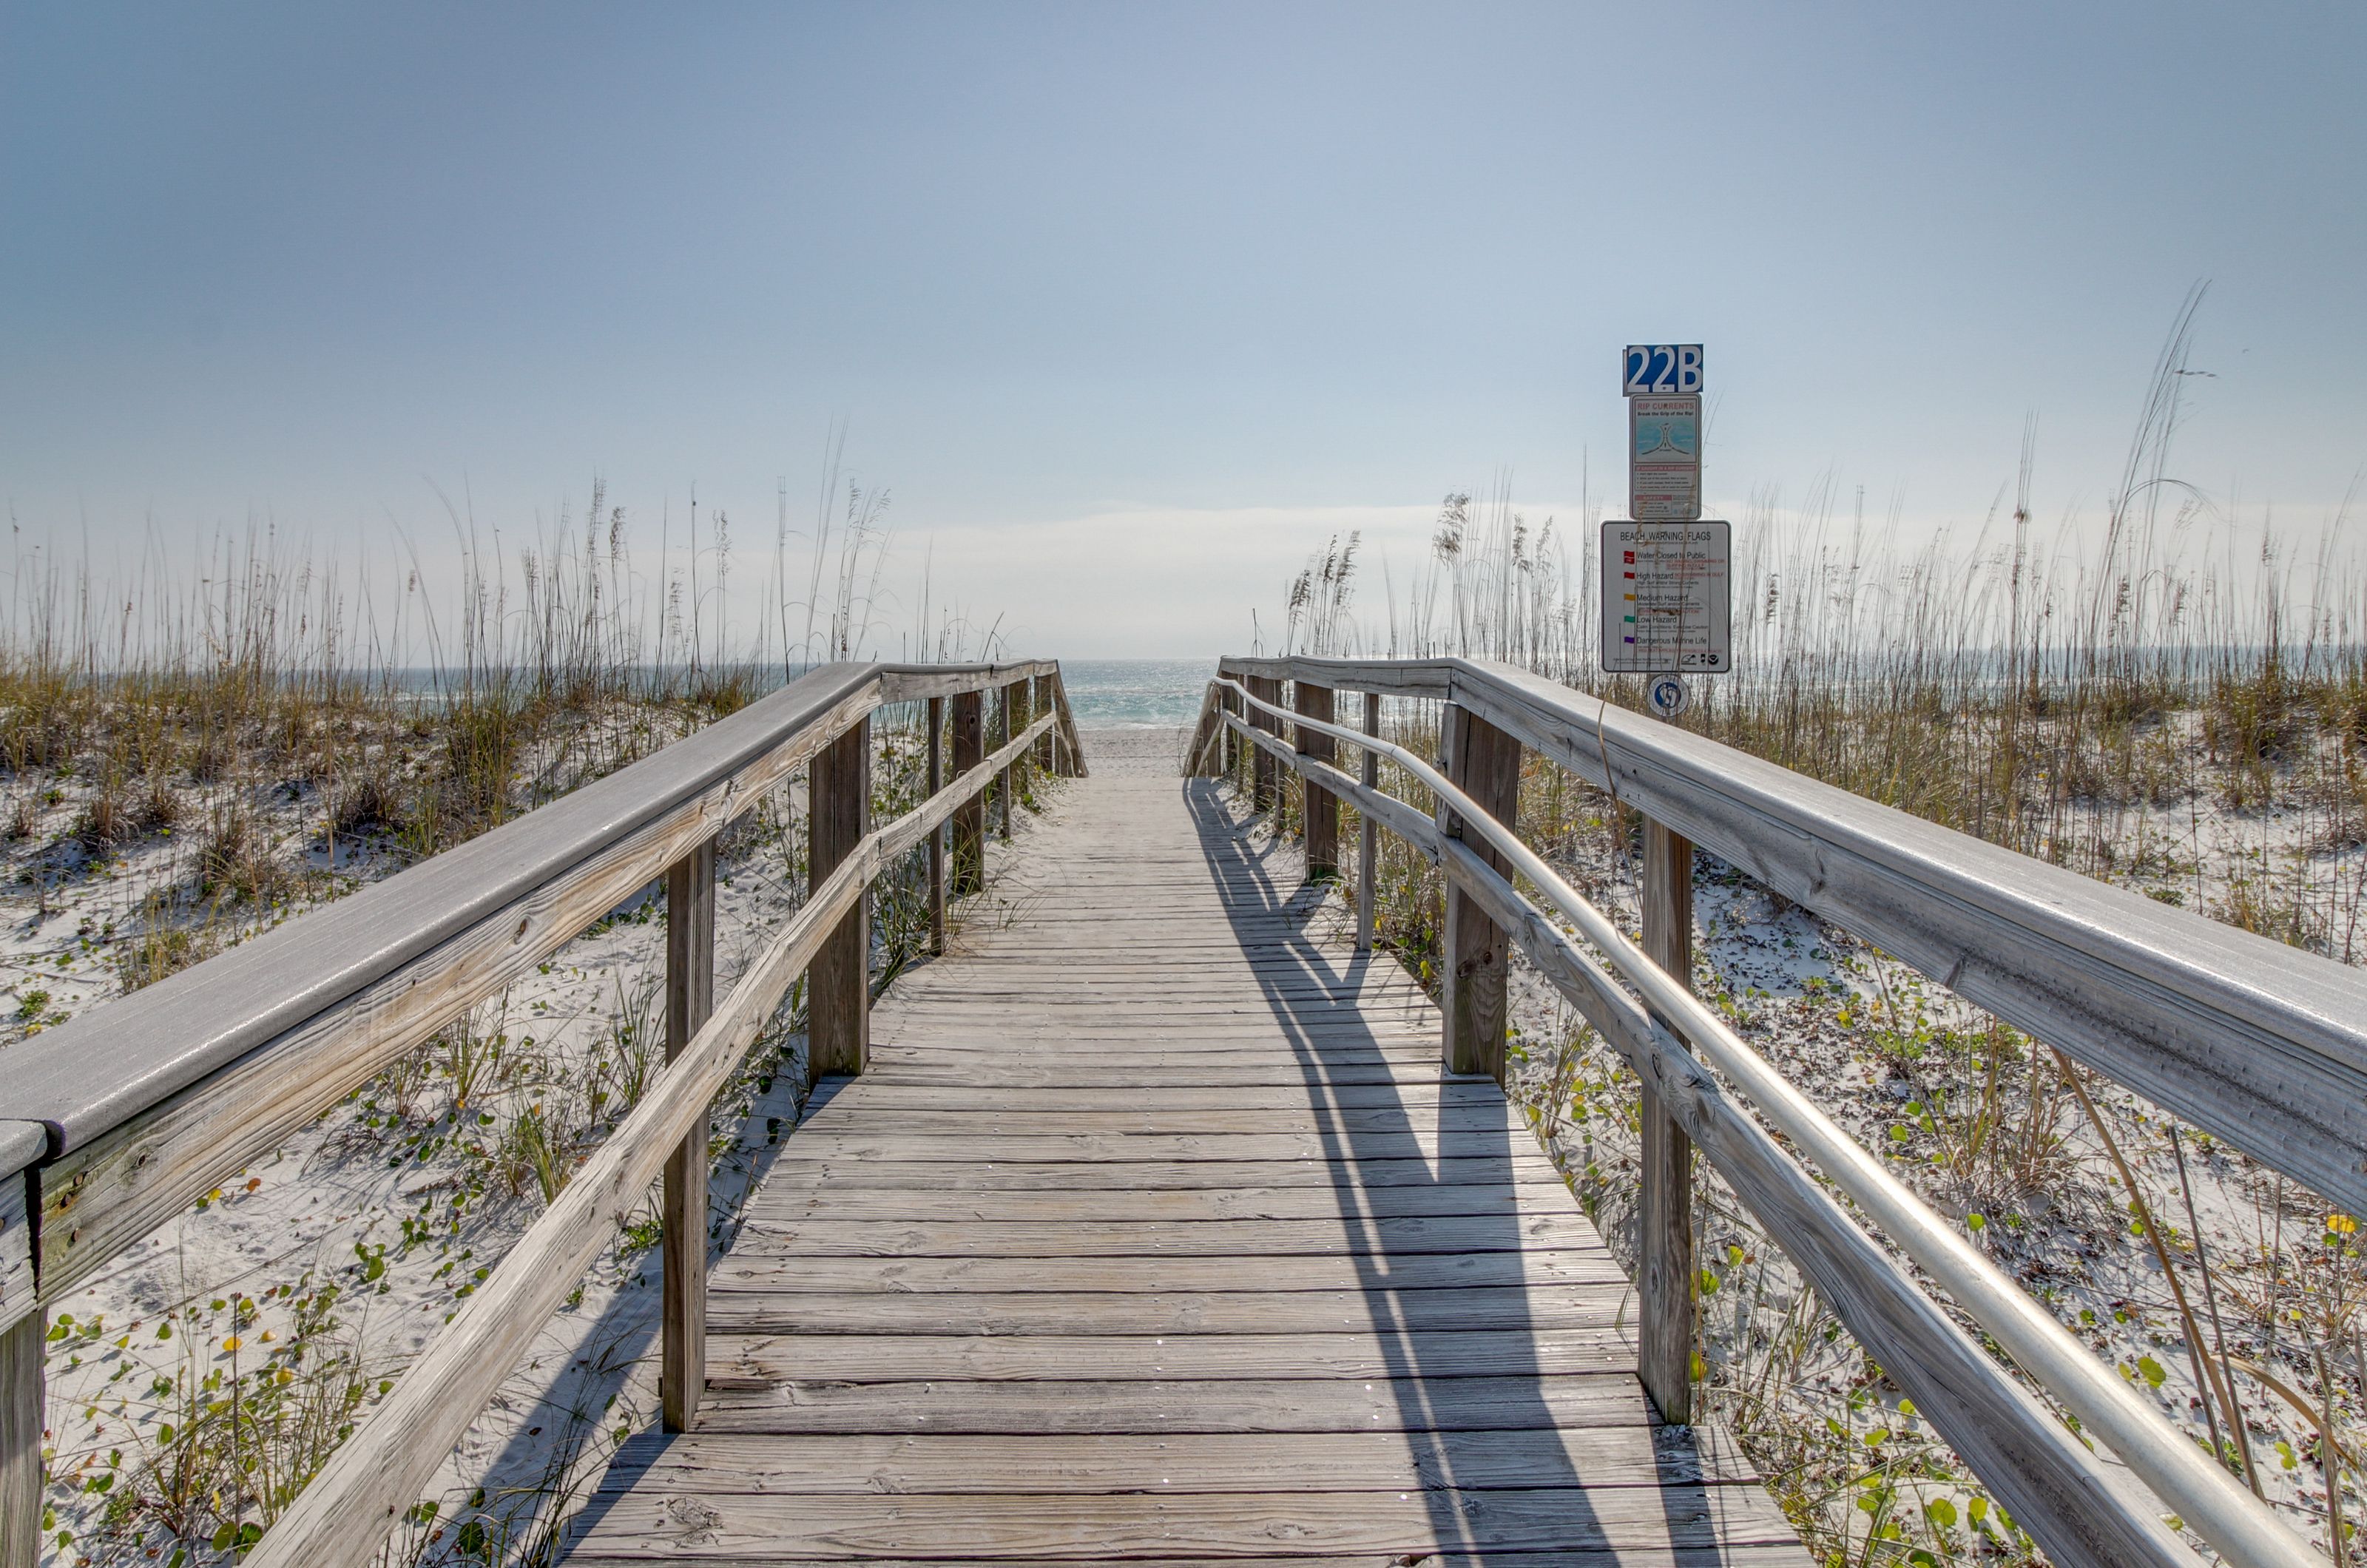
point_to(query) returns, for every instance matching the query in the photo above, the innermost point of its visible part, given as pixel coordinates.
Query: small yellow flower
(2342, 1224)
(230, 1343)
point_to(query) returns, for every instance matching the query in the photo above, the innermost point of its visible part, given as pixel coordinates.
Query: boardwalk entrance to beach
(1154, 1232)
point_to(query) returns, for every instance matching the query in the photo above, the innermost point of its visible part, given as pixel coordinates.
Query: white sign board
(1667, 598)
(1668, 369)
(1664, 459)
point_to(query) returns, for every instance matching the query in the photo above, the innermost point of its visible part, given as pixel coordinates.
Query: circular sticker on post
(1668, 695)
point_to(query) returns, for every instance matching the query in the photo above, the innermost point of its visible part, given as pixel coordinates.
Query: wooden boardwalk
(1155, 1235)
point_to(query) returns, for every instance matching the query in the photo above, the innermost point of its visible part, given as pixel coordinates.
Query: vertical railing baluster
(690, 998)
(969, 816)
(1665, 1268)
(1320, 815)
(1485, 763)
(937, 834)
(995, 742)
(1368, 773)
(838, 982)
(1264, 771)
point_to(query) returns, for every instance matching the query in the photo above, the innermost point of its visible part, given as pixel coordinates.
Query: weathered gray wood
(22, 1386)
(915, 683)
(970, 820)
(756, 1364)
(1368, 773)
(2261, 1044)
(22, 1144)
(998, 734)
(1265, 774)
(2054, 1486)
(22, 1324)
(838, 989)
(1384, 1526)
(1599, 1556)
(1179, 1461)
(1665, 1270)
(1396, 1237)
(1491, 1201)
(1347, 1248)
(1321, 813)
(937, 838)
(1485, 763)
(690, 999)
(342, 1517)
(125, 1180)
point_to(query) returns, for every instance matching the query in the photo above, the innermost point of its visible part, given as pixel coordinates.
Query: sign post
(1667, 579)
(1667, 611)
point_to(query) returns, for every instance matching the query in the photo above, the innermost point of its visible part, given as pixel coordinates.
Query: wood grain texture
(22, 1385)
(838, 988)
(1665, 1269)
(2261, 1044)
(1320, 816)
(1485, 763)
(21, 1145)
(341, 1516)
(937, 765)
(969, 822)
(1156, 1232)
(690, 999)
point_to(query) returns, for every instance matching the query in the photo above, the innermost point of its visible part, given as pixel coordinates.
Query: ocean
(1136, 693)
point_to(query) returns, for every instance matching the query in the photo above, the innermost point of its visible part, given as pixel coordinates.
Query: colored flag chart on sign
(1664, 459)
(1667, 597)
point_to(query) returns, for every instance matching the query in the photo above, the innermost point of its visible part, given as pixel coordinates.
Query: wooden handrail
(344, 1516)
(2256, 1042)
(2070, 1502)
(114, 1123)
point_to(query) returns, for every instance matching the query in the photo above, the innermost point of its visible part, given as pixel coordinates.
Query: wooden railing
(113, 1124)
(2252, 1040)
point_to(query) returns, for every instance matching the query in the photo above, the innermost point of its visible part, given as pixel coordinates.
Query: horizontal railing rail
(114, 1123)
(2072, 1503)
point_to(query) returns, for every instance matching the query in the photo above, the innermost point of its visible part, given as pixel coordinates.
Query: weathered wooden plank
(959, 1201)
(1418, 1143)
(895, 1096)
(758, 1361)
(1091, 1404)
(1385, 1526)
(988, 1175)
(1786, 1555)
(1359, 1284)
(1526, 1309)
(1320, 817)
(1356, 1122)
(22, 1387)
(1600, 1457)
(1517, 1228)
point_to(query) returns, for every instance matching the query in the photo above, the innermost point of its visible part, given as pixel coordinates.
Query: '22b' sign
(1656, 369)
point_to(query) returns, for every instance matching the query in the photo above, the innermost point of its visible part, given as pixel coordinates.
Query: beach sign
(1668, 591)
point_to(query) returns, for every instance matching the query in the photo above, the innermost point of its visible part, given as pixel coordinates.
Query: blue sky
(1129, 306)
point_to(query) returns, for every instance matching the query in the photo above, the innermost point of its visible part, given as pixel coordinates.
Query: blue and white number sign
(1667, 369)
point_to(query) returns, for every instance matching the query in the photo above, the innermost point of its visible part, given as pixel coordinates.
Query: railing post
(1320, 818)
(1485, 763)
(937, 834)
(690, 998)
(999, 732)
(838, 982)
(1047, 759)
(1264, 771)
(1665, 1263)
(21, 1389)
(1368, 773)
(969, 816)
(1233, 742)
(1015, 719)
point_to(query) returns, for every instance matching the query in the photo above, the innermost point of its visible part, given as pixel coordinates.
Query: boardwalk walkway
(1176, 1248)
